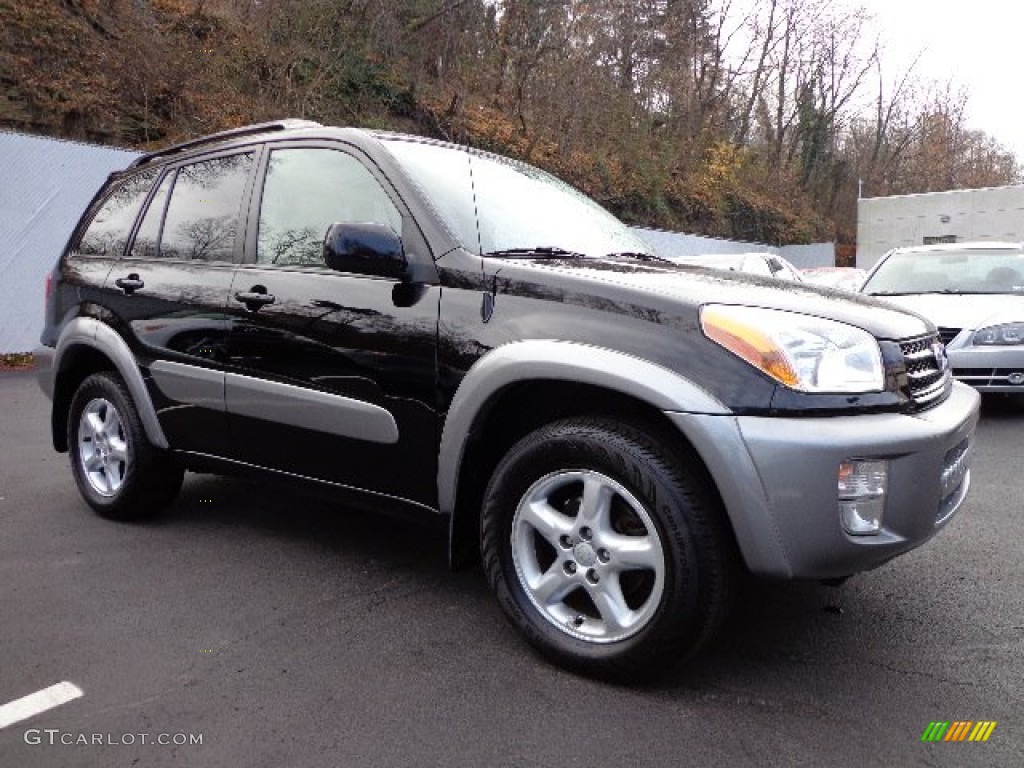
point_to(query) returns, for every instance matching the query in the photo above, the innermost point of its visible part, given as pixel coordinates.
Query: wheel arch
(521, 386)
(87, 346)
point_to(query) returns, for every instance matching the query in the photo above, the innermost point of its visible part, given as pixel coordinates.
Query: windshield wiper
(637, 255)
(942, 291)
(537, 252)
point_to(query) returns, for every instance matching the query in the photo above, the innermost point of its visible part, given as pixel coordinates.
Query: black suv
(433, 327)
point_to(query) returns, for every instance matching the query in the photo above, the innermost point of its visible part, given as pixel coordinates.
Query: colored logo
(959, 730)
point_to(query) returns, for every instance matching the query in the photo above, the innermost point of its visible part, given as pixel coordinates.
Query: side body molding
(562, 361)
(89, 332)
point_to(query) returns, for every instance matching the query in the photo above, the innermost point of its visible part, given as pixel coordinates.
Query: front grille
(948, 334)
(928, 377)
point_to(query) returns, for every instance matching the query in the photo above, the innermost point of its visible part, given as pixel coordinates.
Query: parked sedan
(840, 278)
(764, 264)
(974, 293)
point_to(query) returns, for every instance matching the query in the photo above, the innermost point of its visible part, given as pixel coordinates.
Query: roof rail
(247, 130)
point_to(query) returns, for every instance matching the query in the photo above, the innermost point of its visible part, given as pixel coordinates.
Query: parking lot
(286, 631)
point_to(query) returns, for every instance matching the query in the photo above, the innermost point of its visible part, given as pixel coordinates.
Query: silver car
(974, 293)
(754, 263)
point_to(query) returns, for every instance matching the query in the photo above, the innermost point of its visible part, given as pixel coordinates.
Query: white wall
(883, 223)
(45, 185)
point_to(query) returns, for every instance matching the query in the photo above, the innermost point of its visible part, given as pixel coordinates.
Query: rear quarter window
(111, 225)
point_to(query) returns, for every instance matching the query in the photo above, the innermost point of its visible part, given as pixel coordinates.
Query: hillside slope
(143, 73)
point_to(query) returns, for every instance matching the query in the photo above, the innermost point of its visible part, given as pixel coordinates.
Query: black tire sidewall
(145, 487)
(622, 454)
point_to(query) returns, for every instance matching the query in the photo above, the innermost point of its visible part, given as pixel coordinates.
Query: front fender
(534, 360)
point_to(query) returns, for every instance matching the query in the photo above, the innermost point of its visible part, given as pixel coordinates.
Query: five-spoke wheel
(102, 446)
(607, 547)
(118, 471)
(588, 555)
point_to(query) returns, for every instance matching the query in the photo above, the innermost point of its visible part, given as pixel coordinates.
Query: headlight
(999, 335)
(807, 353)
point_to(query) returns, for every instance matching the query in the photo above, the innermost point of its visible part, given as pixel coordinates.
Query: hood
(971, 311)
(653, 283)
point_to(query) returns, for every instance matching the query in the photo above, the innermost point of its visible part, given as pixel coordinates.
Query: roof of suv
(224, 136)
(277, 127)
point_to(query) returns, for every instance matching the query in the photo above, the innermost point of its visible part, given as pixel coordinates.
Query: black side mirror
(365, 249)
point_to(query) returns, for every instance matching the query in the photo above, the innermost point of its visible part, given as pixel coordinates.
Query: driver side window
(308, 190)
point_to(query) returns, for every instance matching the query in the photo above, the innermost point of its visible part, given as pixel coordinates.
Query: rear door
(171, 289)
(332, 375)
(101, 245)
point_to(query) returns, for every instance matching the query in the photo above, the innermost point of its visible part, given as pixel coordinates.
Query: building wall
(45, 185)
(682, 244)
(883, 223)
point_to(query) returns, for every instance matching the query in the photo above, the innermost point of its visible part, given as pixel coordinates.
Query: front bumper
(777, 478)
(989, 369)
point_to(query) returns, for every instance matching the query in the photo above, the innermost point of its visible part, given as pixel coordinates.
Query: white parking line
(40, 701)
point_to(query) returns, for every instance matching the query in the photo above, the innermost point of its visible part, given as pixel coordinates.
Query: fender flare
(90, 332)
(534, 360)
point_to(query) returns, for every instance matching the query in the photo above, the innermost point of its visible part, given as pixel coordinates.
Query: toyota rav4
(436, 328)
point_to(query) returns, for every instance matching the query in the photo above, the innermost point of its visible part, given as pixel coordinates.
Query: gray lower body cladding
(778, 480)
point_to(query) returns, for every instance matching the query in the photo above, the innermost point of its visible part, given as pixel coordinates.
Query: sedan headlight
(999, 335)
(807, 353)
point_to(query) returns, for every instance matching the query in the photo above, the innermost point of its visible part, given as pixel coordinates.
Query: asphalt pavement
(280, 630)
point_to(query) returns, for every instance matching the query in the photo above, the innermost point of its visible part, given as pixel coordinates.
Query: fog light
(862, 485)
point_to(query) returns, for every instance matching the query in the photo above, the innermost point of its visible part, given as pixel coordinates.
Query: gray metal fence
(45, 185)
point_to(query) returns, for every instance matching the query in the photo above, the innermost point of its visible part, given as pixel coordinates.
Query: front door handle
(129, 284)
(255, 298)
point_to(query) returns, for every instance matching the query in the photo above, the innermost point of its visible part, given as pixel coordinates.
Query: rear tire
(118, 472)
(607, 551)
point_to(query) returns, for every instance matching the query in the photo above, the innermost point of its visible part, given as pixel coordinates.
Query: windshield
(520, 210)
(974, 271)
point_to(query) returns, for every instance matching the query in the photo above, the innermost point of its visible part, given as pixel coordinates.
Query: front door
(332, 375)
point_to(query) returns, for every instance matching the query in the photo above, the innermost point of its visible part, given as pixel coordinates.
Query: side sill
(208, 462)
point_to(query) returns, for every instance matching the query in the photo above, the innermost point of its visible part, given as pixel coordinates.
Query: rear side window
(202, 216)
(111, 227)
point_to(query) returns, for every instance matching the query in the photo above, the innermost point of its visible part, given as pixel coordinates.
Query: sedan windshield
(519, 211)
(973, 271)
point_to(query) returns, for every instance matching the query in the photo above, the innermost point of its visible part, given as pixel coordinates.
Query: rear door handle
(255, 298)
(129, 284)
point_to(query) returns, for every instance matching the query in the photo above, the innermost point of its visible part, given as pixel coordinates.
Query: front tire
(118, 472)
(607, 551)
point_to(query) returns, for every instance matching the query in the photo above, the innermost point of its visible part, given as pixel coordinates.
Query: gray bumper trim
(777, 478)
(44, 369)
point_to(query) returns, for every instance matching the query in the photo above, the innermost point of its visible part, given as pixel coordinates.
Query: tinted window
(202, 217)
(306, 191)
(148, 236)
(108, 233)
